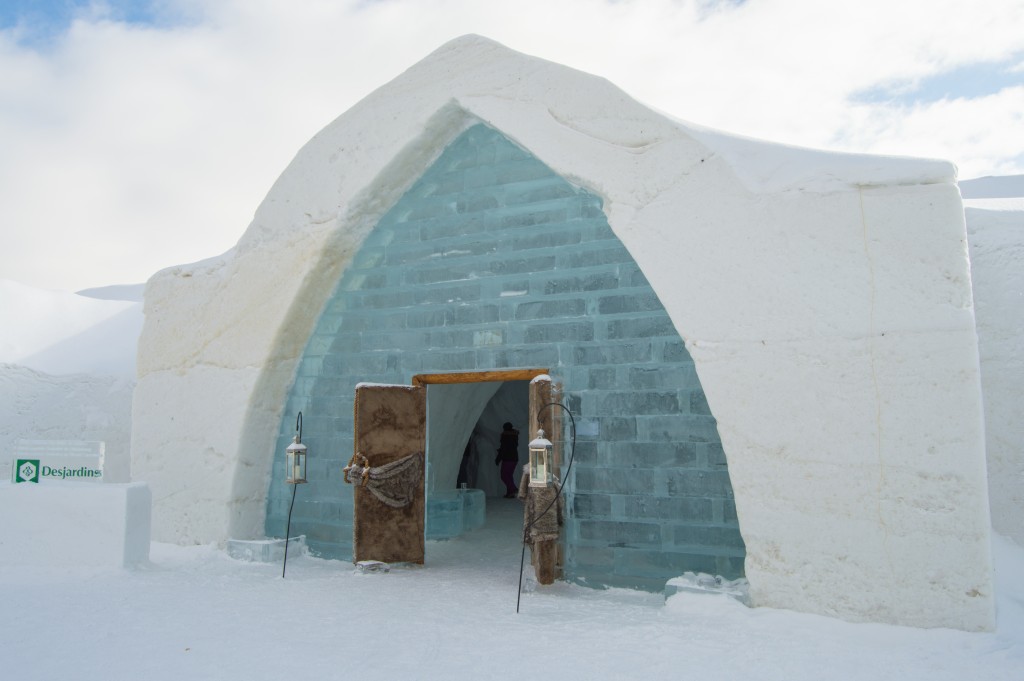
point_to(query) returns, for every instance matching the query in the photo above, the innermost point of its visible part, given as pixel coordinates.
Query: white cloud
(992, 145)
(127, 148)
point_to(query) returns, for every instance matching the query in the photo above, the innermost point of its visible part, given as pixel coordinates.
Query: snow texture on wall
(825, 301)
(997, 251)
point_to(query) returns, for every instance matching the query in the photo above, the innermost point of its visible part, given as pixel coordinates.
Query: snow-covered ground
(194, 613)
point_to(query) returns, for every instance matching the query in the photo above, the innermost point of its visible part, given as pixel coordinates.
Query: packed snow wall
(825, 301)
(997, 250)
(492, 261)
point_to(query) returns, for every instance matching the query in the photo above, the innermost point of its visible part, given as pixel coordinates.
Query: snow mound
(129, 292)
(60, 333)
(993, 187)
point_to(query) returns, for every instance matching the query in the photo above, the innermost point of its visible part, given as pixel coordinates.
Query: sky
(140, 134)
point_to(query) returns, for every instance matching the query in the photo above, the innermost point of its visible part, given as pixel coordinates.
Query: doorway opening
(407, 466)
(463, 487)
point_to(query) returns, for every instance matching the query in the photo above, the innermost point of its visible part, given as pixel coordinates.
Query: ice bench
(74, 523)
(454, 512)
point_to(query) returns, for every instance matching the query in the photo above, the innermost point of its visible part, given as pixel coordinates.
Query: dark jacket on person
(508, 450)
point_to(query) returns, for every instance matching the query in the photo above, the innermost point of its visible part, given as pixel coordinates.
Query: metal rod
(295, 488)
(288, 529)
(522, 561)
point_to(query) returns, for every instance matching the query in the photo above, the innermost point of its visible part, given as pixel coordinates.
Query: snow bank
(67, 369)
(76, 523)
(999, 187)
(65, 333)
(131, 292)
(38, 406)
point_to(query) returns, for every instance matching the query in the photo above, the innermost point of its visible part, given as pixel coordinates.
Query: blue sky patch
(967, 82)
(38, 22)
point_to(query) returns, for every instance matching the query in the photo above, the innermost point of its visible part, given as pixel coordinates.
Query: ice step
(265, 550)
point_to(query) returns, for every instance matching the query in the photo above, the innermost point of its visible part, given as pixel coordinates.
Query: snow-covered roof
(584, 127)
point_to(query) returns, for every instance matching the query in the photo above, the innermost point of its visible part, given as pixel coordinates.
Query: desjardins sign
(58, 461)
(32, 470)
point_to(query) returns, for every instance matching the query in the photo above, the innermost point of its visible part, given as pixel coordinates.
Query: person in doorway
(508, 458)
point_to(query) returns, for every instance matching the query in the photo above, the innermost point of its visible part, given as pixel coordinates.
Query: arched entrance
(493, 261)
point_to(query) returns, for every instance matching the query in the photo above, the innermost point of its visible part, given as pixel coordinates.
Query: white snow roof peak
(584, 127)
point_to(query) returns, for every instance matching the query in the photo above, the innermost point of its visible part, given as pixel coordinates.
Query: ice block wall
(493, 261)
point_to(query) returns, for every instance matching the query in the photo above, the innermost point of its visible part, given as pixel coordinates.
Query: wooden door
(390, 445)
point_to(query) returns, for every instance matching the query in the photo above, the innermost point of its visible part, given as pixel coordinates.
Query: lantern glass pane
(539, 467)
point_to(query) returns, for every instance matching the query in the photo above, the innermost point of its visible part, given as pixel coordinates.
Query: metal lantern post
(542, 475)
(295, 475)
(540, 461)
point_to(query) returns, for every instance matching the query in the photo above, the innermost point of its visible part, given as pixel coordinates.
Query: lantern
(540, 461)
(295, 462)
(295, 473)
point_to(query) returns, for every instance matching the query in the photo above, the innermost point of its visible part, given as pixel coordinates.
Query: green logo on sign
(26, 470)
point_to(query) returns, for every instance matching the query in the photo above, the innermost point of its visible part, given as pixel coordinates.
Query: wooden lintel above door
(478, 376)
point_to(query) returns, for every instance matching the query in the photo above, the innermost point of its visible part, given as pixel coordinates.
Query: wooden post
(545, 553)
